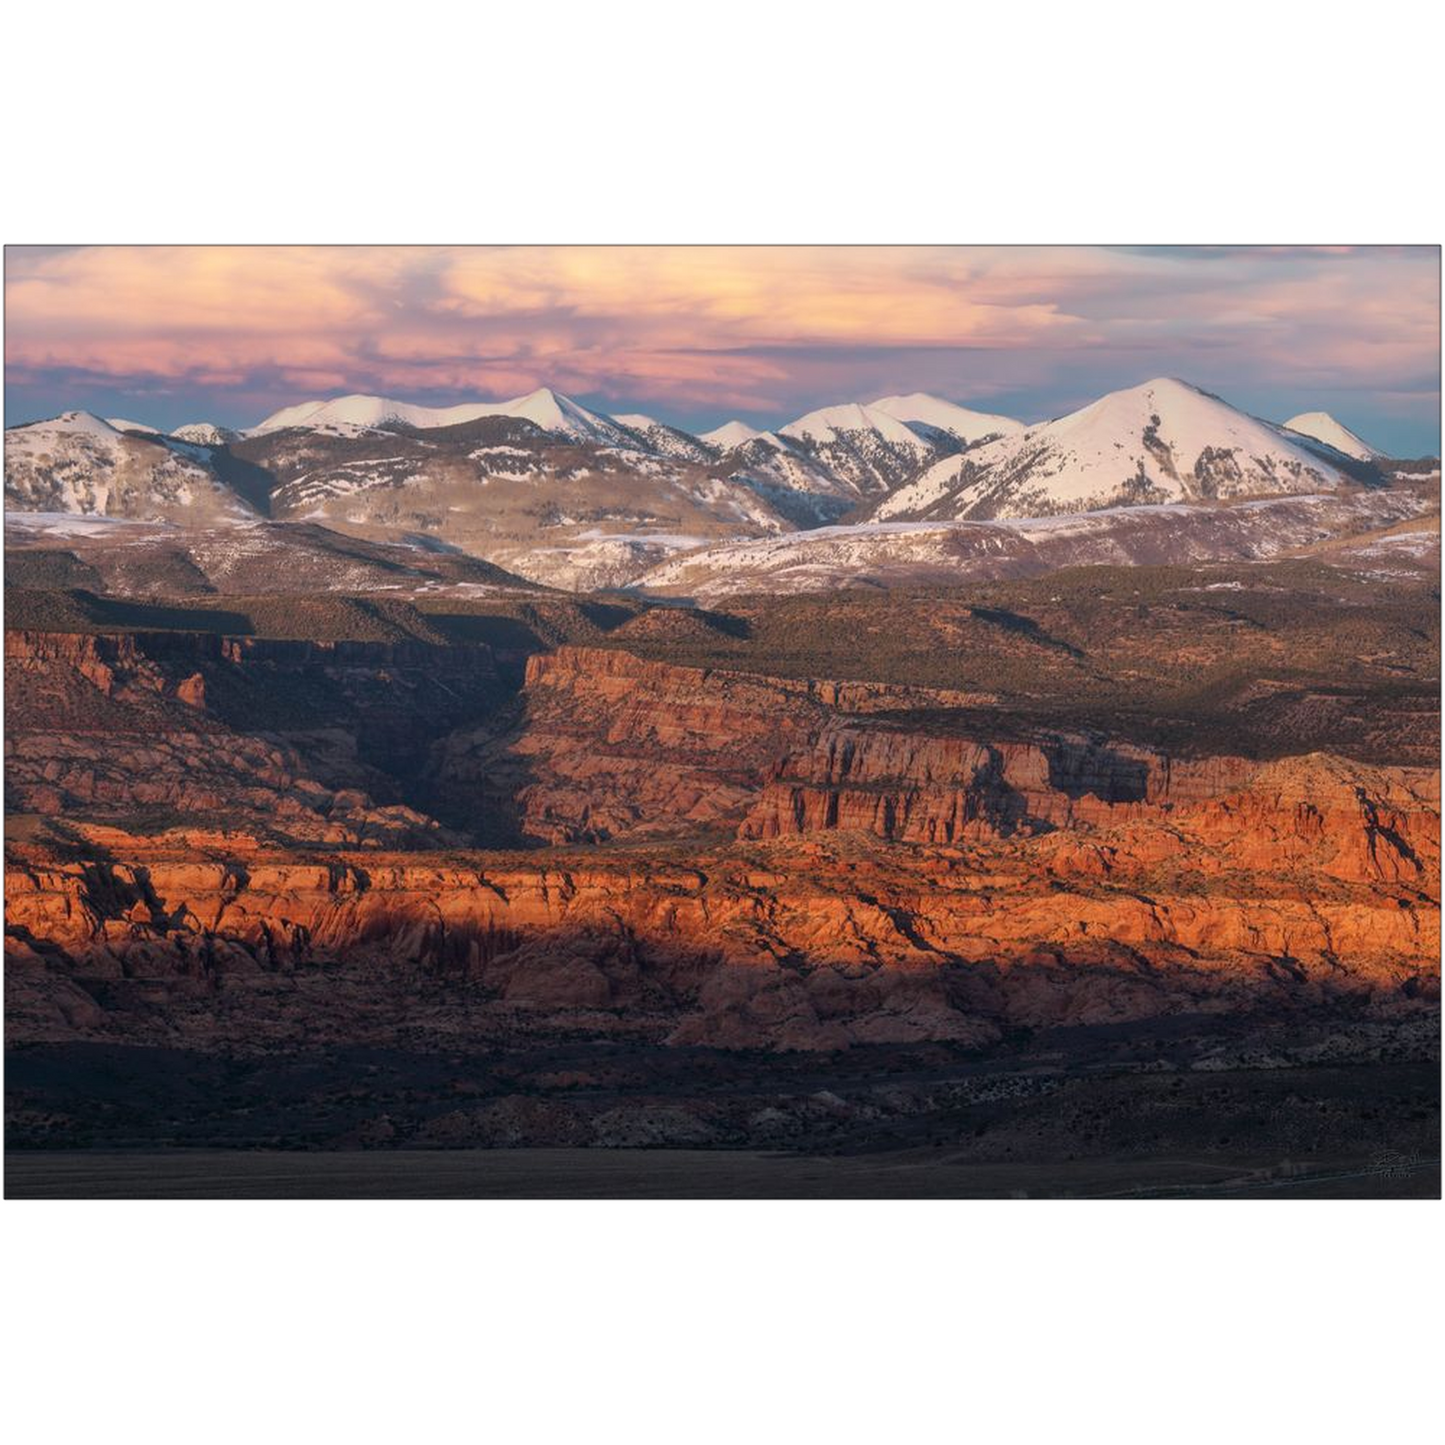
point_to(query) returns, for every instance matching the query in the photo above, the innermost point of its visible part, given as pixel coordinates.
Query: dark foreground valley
(1066, 1116)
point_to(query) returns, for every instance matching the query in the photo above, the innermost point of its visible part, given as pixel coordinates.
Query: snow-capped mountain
(559, 510)
(79, 464)
(790, 479)
(1164, 441)
(120, 424)
(1322, 427)
(664, 440)
(569, 496)
(868, 451)
(553, 413)
(367, 412)
(833, 423)
(561, 416)
(205, 434)
(731, 434)
(958, 421)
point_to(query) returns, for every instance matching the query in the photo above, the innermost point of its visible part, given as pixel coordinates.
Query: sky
(697, 335)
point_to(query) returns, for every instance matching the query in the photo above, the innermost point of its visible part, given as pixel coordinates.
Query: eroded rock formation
(791, 864)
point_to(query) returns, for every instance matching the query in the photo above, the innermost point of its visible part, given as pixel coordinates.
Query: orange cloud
(717, 296)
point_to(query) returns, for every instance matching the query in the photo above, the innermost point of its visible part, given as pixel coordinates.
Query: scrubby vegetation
(1262, 659)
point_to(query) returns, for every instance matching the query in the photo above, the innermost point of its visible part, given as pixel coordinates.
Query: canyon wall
(607, 746)
(300, 740)
(1260, 895)
(791, 864)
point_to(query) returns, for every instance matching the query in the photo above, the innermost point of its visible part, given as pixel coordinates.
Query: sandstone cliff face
(1352, 820)
(799, 864)
(920, 787)
(600, 746)
(609, 746)
(1252, 896)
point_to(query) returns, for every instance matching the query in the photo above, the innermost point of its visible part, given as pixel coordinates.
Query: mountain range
(569, 496)
(1164, 441)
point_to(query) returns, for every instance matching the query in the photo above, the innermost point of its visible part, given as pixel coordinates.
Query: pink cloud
(738, 327)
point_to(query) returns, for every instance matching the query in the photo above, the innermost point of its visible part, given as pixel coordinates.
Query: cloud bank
(699, 333)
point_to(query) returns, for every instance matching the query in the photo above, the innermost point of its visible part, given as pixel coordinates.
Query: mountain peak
(913, 398)
(204, 433)
(828, 422)
(1320, 426)
(1169, 389)
(85, 422)
(544, 406)
(968, 426)
(1165, 440)
(543, 399)
(80, 464)
(1167, 397)
(731, 434)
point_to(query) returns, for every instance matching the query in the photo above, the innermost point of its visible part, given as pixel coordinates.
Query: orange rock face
(1181, 905)
(793, 864)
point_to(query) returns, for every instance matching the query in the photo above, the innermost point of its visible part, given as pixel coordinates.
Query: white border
(804, 122)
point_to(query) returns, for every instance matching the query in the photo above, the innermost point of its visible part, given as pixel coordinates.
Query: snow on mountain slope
(730, 434)
(516, 498)
(1322, 427)
(787, 475)
(832, 423)
(67, 424)
(848, 450)
(786, 472)
(596, 559)
(369, 412)
(664, 440)
(760, 442)
(968, 426)
(1164, 441)
(868, 452)
(120, 424)
(140, 558)
(562, 416)
(946, 553)
(559, 415)
(77, 463)
(330, 418)
(205, 434)
(288, 416)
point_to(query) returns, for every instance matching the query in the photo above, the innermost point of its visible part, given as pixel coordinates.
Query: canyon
(1035, 835)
